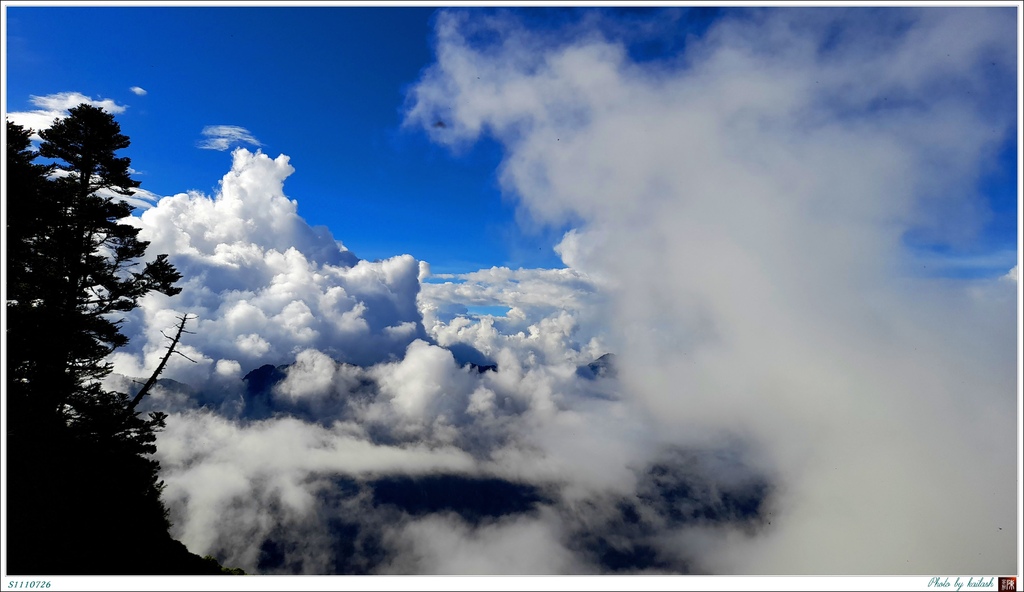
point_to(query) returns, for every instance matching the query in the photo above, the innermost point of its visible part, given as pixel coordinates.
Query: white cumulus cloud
(363, 392)
(263, 284)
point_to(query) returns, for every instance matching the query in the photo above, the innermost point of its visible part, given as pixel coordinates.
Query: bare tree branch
(186, 357)
(163, 362)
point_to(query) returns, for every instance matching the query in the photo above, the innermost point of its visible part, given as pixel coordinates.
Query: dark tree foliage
(26, 180)
(83, 490)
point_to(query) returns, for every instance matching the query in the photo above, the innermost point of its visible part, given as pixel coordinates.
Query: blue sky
(327, 86)
(322, 85)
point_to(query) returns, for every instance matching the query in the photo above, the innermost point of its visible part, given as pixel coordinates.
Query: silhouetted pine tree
(26, 211)
(83, 490)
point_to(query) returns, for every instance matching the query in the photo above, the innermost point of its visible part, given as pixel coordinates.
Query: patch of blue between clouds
(993, 251)
(494, 311)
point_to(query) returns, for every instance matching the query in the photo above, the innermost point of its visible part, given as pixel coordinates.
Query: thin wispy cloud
(66, 100)
(56, 106)
(140, 198)
(224, 137)
(138, 90)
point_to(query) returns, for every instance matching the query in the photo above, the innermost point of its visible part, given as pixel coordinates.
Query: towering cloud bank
(749, 207)
(316, 412)
(264, 285)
